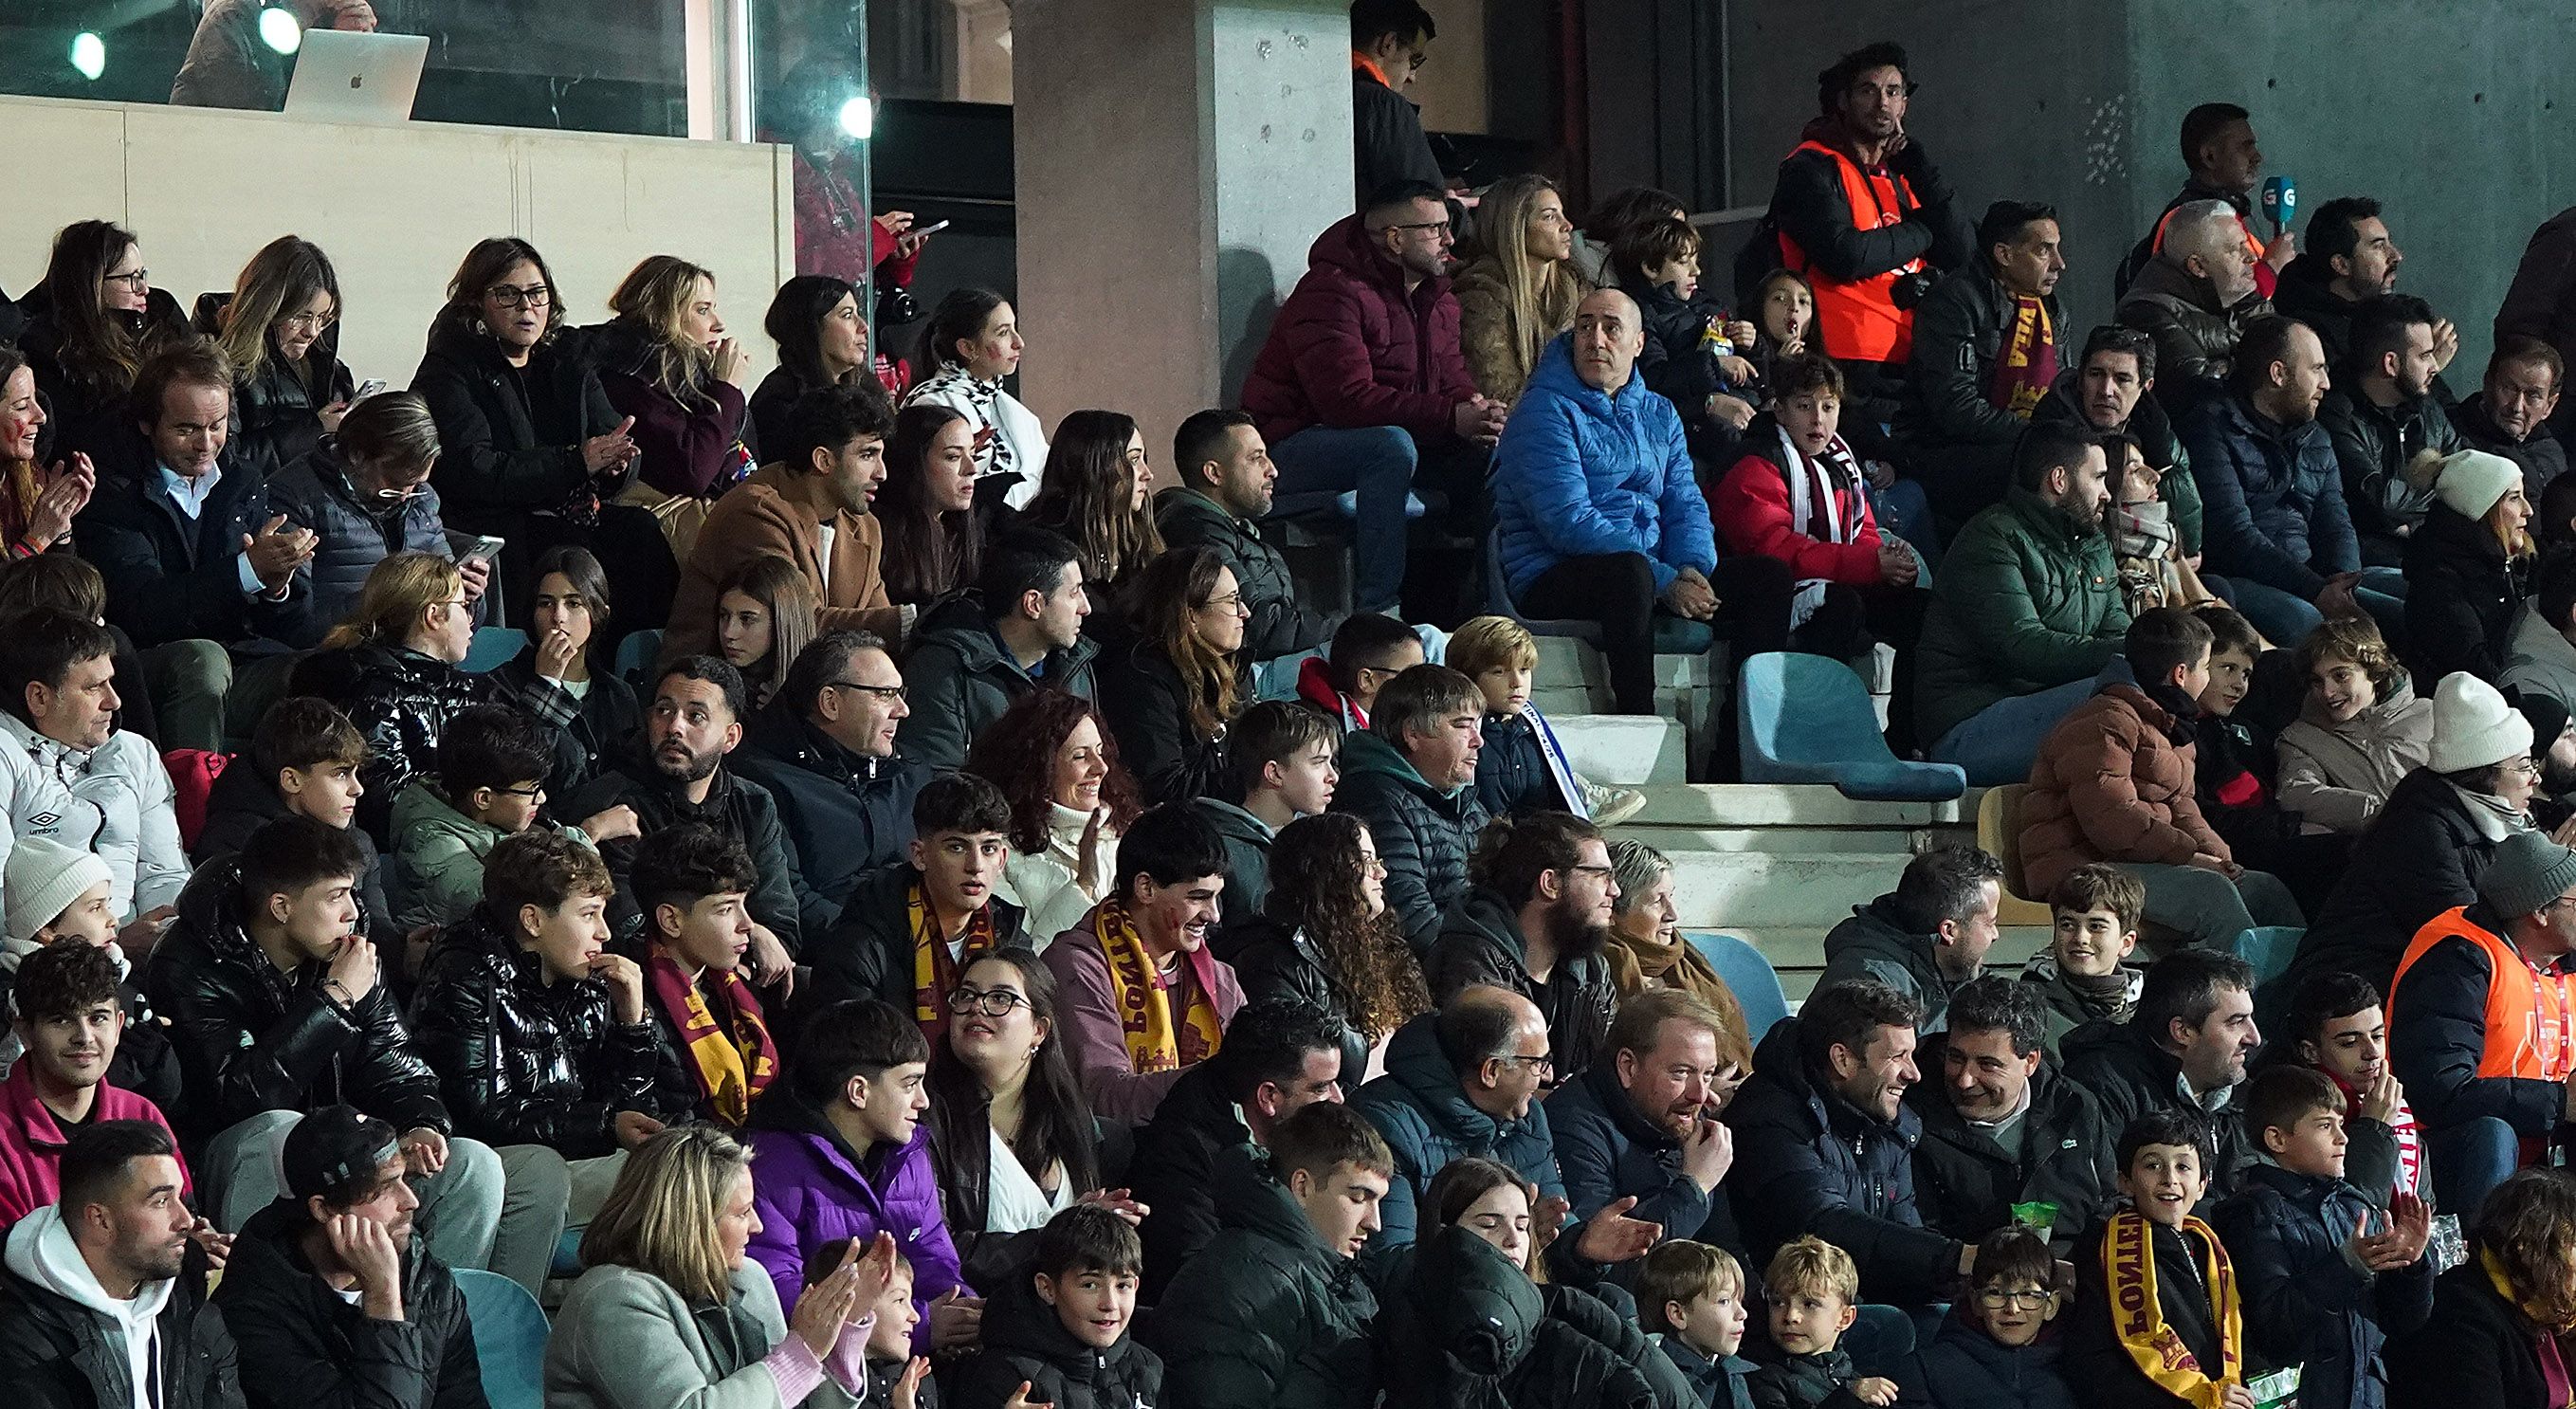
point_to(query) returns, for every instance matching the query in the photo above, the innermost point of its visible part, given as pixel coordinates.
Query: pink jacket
(1096, 1037)
(32, 1141)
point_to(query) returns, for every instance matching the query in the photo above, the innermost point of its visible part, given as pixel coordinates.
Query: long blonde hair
(276, 284)
(1542, 306)
(398, 591)
(660, 1219)
(651, 299)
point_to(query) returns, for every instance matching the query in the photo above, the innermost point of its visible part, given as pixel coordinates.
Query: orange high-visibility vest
(2528, 1010)
(1858, 320)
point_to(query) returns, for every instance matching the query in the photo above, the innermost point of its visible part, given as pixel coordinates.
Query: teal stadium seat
(1807, 719)
(509, 1339)
(493, 646)
(1755, 983)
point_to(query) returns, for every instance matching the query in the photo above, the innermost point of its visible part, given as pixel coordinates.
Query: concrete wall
(396, 207)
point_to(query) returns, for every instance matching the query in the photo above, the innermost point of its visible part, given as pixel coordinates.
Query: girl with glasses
(1166, 680)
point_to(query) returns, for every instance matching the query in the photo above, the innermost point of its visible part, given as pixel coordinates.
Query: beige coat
(2336, 776)
(754, 518)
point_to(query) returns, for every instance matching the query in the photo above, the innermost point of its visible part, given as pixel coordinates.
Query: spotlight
(859, 118)
(279, 31)
(89, 55)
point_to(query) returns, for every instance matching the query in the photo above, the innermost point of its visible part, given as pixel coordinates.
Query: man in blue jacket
(1641, 1122)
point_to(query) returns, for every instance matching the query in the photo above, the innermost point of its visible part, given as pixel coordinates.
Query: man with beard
(1535, 924)
(2003, 1127)
(1988, 340)
(694, 721)
(2510, 413)
(1825, 1142)
(2108, 392)
(1928, 937)
(1226, 484)
(2349, 261)
(1641, 1122)
(2025, 611)
(327, 1294)
(2195, 299)
(2382, 416)
(2183, 1048)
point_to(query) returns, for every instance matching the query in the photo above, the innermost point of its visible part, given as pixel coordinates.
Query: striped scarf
(1154, 1043)
(730, 1067)
(2137, 1317)
(934, 972)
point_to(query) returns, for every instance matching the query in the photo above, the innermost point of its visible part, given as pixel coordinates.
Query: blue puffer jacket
(2271, 498)
(2306, 1303)
(1428, 1121)
(1581, 471)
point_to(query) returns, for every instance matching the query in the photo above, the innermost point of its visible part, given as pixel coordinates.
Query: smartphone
(921, 230)
(367, 388)
(486, 547)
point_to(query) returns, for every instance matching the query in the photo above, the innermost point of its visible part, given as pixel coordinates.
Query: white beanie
(2472, 727)
(2472, 481)
(43, 878)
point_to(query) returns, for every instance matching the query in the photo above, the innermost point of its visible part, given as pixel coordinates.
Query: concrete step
(1624, 749)
(1730, 805)
(1734, 890)
(1897, 842)
(1566, 663)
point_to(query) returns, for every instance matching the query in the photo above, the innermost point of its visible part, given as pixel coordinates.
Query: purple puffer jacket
(810, 1194)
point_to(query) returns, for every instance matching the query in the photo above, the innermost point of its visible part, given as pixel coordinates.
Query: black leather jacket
(401, 700)
(279, 412)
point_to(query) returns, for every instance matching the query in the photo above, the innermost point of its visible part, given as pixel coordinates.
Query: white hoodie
(41, 1250)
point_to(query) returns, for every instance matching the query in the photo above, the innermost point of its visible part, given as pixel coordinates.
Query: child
(1812, 1287)
(1692, 357)
(1784, 306)
(304, 760)
(2156, 1320)
(2241, 713)
(2326, 1282)
(1523, 768)
(896, 1376)
(2339, 1026)
(492, 763)
(1060, 1337)
(2093, 929)
(1992, 1350)
(694, 886)
(1692, 1295)
(1368, 650)
(60, 896)
(2359, 731)
(1282, 762)
(911, 928)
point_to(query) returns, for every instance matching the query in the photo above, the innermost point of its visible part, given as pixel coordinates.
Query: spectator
(2492, 1338)
(1641, 1122)
(290, 388)
(364, 495)
(104, 1297)
(2510, 412)
(392, 663)
(1280, 1056)
(2114, 782)
(2236, 767)
(67, 1015)
(2537, 305)
(2339, 1026)
(668, 365)
(2350, 260)
(2466, 566)
(1692, 1296)
(834, 236)
(327, 1297)
(2004, 1131)
(2027, 608)
(1993, 1349)
(2183, 1050)
(1989, 338)
(2181, 1338)
(763, 618)
(676, 773)
(821, 334)
(1070, 802)
(1270, 1312)
(265, 947)
(2222, 163)
(532, 451)
(844, 1158)
(231, 62)
(1522, 768)
(1857, 150)
(2384, 416)
(2558, 514)
(2196, 298)
(911, 926)
(193, 556)
(1328, 942)
(2107, 392)
(669, 1248)
(2467, 1041)
(2084, 975)
(970, 344)
(36, 505)
(1144, 1000)
(1613, 218)
(2540, 657)
(488, 788)
(91, 326)
(1814, 1293)
(1279, 765)
(1167, 681)
(825, 750)
(1516, 297)
(1411, 777)
(1063, 1335)
(1690, 357)
(1647, 949)
(1928, 937)
(1224, 486)
(935, 542)
(974, 657)
(717, 1053)
(1389, 40)
(1098, 497)
(999, 1183)
(303, 761)
(563, 677)
(2360, 730)
(60, 897)
(1362, 379)
(1368, 650)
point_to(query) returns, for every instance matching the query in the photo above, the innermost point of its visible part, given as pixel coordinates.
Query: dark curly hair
(1017, 755)
(1315, 887)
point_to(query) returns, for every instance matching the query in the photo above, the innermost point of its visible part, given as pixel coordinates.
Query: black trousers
(1616, 591)
(1852, 618)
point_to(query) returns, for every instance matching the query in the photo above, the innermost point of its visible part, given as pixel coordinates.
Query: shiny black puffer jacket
(401, 700)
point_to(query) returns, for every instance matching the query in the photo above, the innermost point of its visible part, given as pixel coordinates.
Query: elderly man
(825, 749)
(2195, 298)
(2002, 1128)
(1988, 341)
(2222, 160)
(2510, 413)
(1597, 514)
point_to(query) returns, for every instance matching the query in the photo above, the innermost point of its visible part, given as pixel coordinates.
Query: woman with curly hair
(1099, 493)
(1325, 939)
(1070, 798)
(934, 539)
(2503, 1330)
(1166, 679)
(667, 363)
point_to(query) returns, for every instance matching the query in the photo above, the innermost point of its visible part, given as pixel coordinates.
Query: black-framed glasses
(1997, 1298)
(1442, 226)
(1543, 1064)
(137, 281)
(883, 692)
(1593, 870)
(535, 296)
(991, 1002)
(530, 791)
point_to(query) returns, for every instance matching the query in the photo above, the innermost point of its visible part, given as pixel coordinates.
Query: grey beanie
(2527, 872)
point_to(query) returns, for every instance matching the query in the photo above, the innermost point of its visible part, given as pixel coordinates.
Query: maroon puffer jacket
(1350, 348)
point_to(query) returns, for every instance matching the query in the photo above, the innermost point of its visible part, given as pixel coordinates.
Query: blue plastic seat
(635, 656)
(493, 646)
(2268, 948)
(1755, 983)
(509, 1339)
(1673, 635)
(1807, 719)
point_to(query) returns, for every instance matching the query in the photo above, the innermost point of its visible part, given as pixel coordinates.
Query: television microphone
(2280, 202)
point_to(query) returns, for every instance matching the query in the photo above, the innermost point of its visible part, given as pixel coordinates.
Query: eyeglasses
(310, 322)
(137, 281)
(535, 296)
(883, 692)
(1442, 226)
(992, 1003)
(1545, 1066)
(1594, 870)
(531, 792)
(1997, 1298)
(1230, 603)
(2527, 767)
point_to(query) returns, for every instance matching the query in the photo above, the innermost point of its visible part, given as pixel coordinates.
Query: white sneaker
(1610, 806)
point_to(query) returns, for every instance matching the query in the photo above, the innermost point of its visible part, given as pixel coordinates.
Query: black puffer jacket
(1026, 1342)
(2543, 457)
(254, 1038)
(1275, 963)
(1247, 874)
(1424, 834)
(1819, 1381)
(401, 700)
(735, 806)
(2195, 339)
(1281, 623)
(2477, 1351)
(309, 1348)
(1462, 1328)
(2130, 1074)
(868, 953)
(2440, 1047)
(277, 413)
(522, 1062)
(589, 732)
(510, 438)
(314, 492)
(2422, 856)
(2373, 444)
(1964, 1368)
(58, 1354)
(241, 803)
(1810, 206)
(85, 414)
(846, 813)
(1147, 704)
(2305, 1302)
(1965, 1184)
(1174, 1168)
(962, 680)
(1481, 943)
(1512, 776)
(2461, 598)
(773, 408)
(1959, 333)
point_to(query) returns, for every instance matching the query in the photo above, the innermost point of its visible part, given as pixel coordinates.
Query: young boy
(492, 763)
(2326, 1281)
(2084, 972)
(1986, 1353)
(1692, 1296)
(2157, 1318)
(1062, 1337)
(304, 760)
(2236, 763)
(1368, 650)
(2339, 1026)
(1523, 768)
(1691, 357)
(1813, 1289)
(1282, 761)
(896, 1376)
(694, 885)
(910, 928)
(57, 895)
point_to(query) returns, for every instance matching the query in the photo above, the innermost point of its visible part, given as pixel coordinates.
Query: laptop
(348, 77)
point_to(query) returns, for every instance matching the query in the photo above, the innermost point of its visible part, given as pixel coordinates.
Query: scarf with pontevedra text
(2138, 1318)
(934, 969)
(1154, 1041)
(730, 1068)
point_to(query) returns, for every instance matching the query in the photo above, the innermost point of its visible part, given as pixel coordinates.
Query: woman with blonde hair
(1522, 292)
(1166, 681)
(764, 618)
(290, 388)
(391, 665)
(666, 361)
(670, 1310)
(1099, 492)
(2465, 564)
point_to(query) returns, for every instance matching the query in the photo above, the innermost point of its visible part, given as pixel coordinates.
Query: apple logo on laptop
(357, 80)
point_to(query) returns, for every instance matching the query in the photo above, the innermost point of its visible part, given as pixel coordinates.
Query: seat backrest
(509, 1338)
(1999, 832)
(1755, 983)
(636, 654)
(2269, 948)
(1830, 721)
(493, 646)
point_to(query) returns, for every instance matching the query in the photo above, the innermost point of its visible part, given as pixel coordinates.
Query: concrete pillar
(1175, 159)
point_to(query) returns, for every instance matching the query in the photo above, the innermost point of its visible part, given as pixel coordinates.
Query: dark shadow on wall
(1238, 269)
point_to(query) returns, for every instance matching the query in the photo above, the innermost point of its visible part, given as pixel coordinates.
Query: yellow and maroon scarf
(1144, 1002)
(934, 973)
(2138, 1319)
(2027, 367)
(730, 1067)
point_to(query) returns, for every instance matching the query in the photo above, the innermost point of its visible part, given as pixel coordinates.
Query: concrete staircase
(1777, 865)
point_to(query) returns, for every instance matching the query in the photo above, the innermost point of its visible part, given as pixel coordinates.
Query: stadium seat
(1807, 719)
(2268, 948)
(509, 1338)
(635, 656)
(1999, 835)
(493, 646)
(1755, 983)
